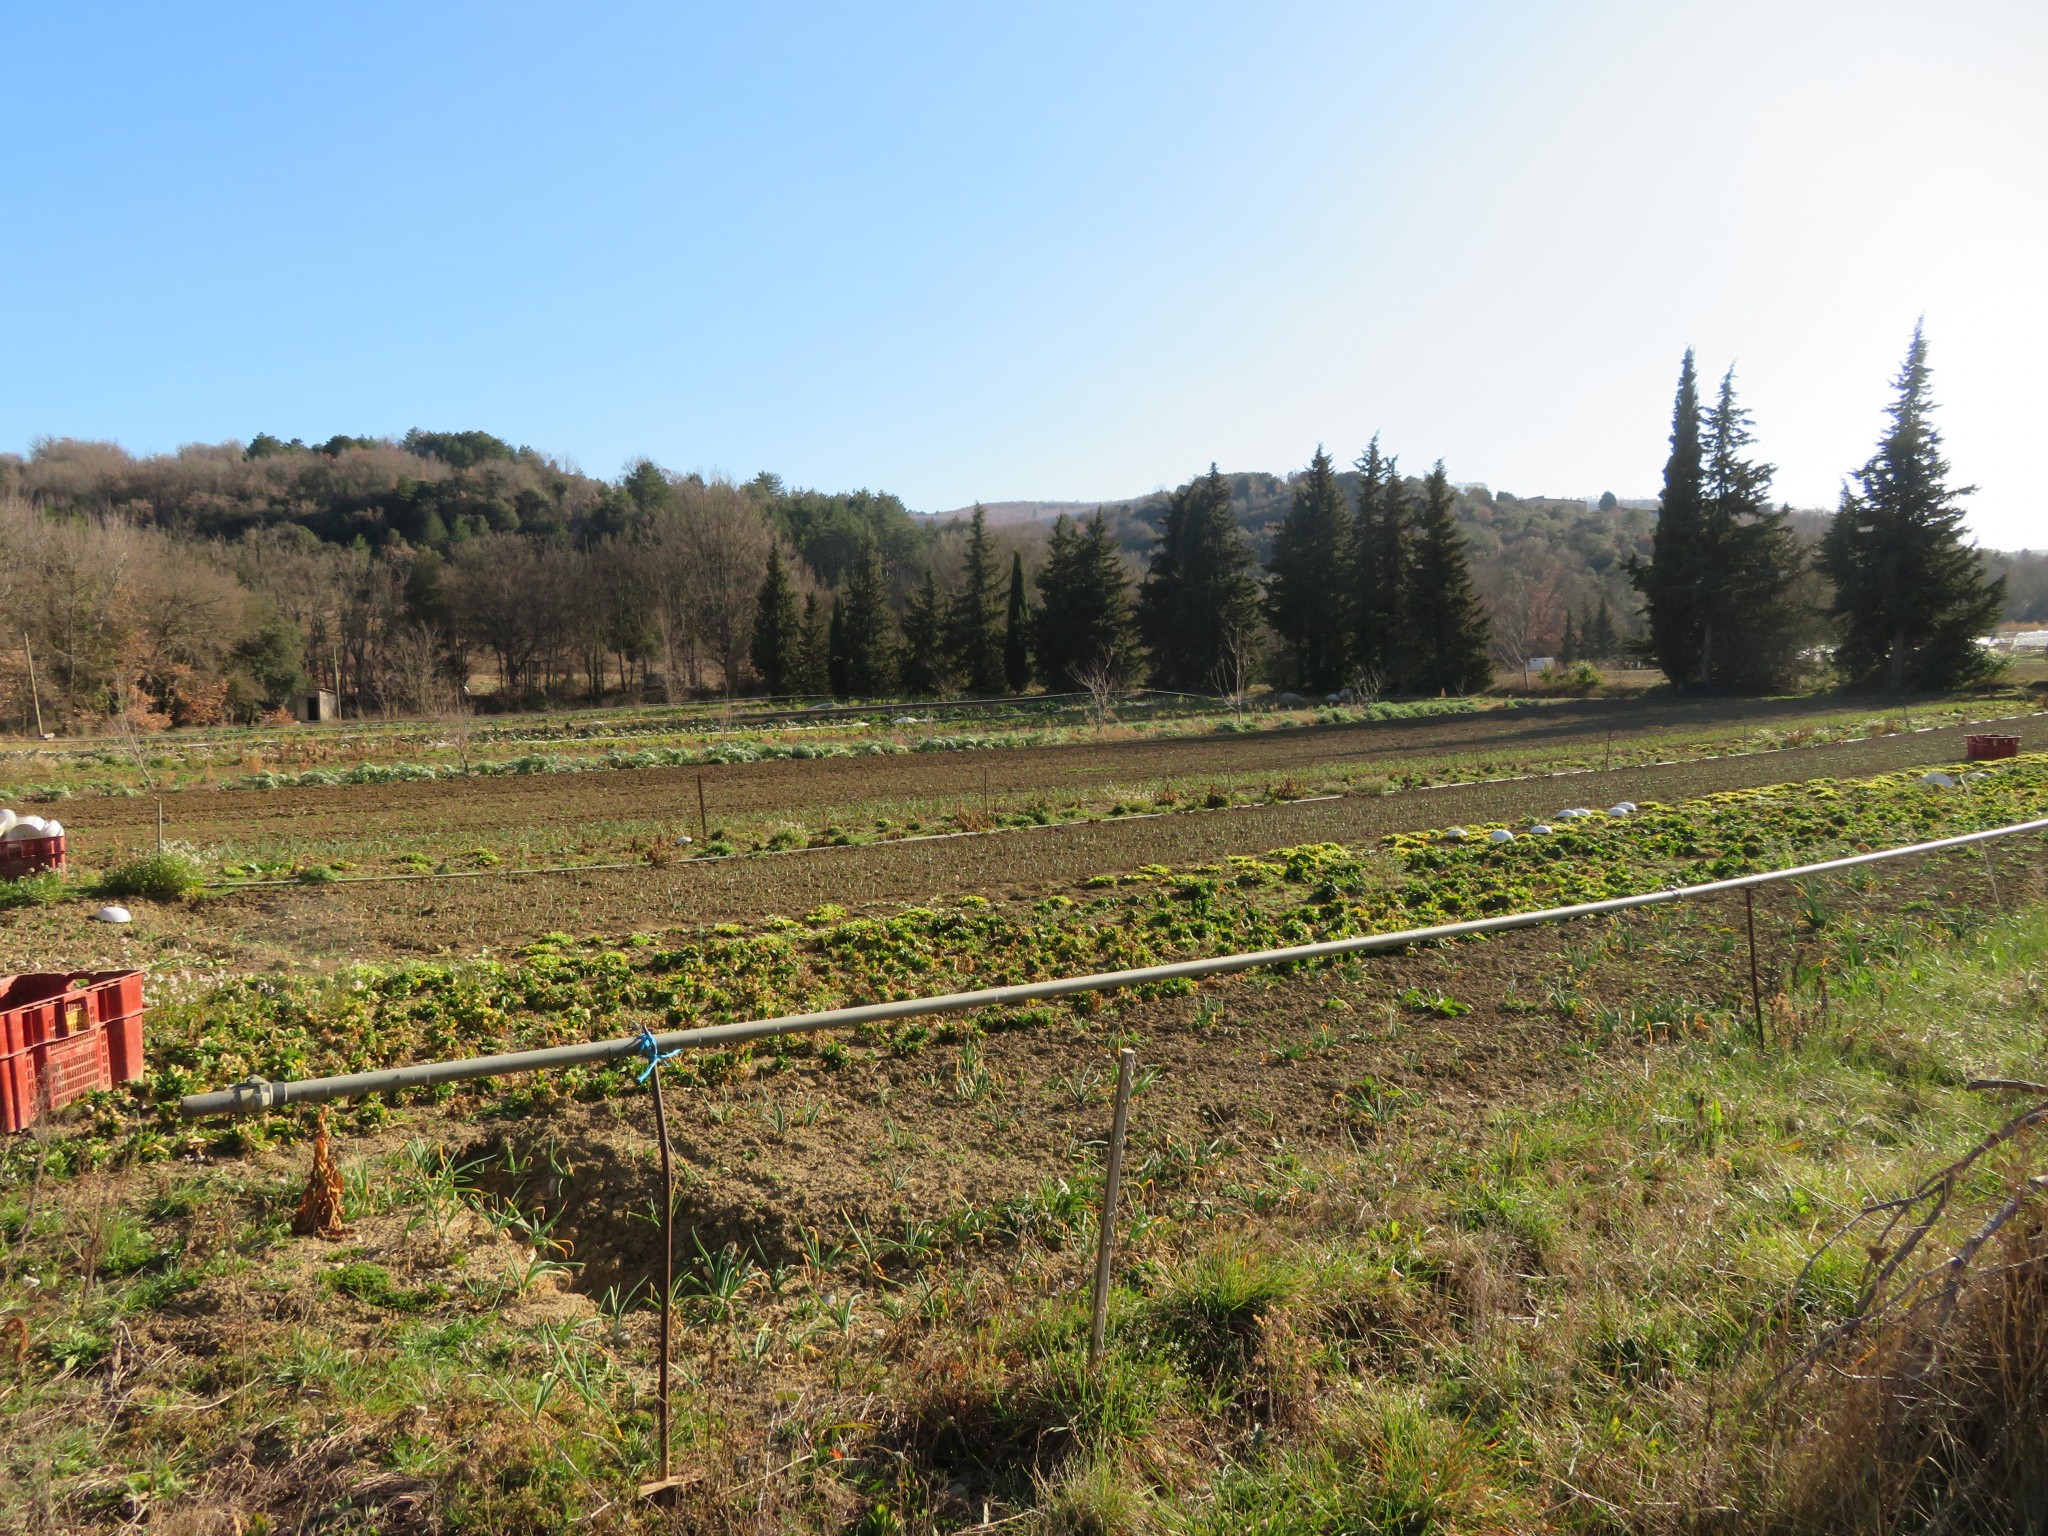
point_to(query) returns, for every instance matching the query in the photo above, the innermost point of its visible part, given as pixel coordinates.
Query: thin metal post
(1607, 757)
(668, 1281)
(1105, 1248)
(1991, 871)
(35, 694)
(1756, 993)
(159, 824)
(703, 825)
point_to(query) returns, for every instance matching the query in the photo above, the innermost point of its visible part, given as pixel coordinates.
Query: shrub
(32, 890)
(157, 877)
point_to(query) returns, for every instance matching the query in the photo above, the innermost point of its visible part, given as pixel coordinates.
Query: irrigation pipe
(257, 1094)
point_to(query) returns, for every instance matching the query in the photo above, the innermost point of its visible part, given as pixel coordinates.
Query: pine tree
(1199, 605)
(971, 632)
(927, 667)
(1383, 564)
(1751, 617)
(1308, 598)
(1568, 648)
(1083, 625)
(774, 646)
(866, 639)
(1017, 629)
(1450, 629)
(1671, 579)
(1910, 595)
(814, 651)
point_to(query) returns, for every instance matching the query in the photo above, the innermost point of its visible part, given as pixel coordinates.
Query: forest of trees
(215, 583)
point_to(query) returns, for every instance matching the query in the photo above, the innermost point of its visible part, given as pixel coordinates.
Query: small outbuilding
(317, 707)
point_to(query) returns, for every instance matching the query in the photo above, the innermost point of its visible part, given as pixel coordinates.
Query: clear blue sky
(1063, 252)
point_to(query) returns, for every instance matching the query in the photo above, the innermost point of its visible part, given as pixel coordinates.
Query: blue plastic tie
(651, 1049)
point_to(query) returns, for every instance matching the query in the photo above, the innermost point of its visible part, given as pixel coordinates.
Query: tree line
(214, 584)
(1734, 601)
(1369, 592)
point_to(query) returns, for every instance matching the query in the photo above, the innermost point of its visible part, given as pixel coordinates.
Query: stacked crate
(64, 1034)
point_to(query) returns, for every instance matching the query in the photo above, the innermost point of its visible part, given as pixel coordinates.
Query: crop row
(562, 990)
(740, 748)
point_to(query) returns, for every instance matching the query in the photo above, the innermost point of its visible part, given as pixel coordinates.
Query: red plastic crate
(1982, 747)
(63, 1035)
(30, 856)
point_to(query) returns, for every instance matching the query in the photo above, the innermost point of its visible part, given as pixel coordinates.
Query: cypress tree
(926, 665)
(1199, 605)
(1450, 629)
(774, 650)
(1568, 647)
(866, 640)
(1084, 619)
(814, 650)
(1017, 630)
(1383, 565)
(1750, 614)
(971, 632)
(1604, 642)
(1910, 596)
(1308, 598)
(1671, 579)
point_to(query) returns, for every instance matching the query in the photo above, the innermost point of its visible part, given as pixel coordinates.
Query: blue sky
(1058, 251)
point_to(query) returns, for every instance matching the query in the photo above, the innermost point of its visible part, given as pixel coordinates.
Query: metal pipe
(1112, 1183)
(256, 1094)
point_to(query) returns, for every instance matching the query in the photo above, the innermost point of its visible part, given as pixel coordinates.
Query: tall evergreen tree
(835, 647)
(1084, 620)
(1910, 595)
(814, 650)
(1199, 605)
(971, 624)
(1603, 642)
(1308, 599)
(1449, 627)
(1383, 567)
(1569, 648)
(776, 628)
(866, 626)
(927, 666)
(1673, 578)
(1751, 616)
(1017, 629)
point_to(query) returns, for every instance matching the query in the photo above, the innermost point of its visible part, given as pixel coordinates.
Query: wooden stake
(35, 694)
(1105, 1248)
(664, 1481)
(1756, 994)
(703, 825)
(1991, 871)
(159, 824)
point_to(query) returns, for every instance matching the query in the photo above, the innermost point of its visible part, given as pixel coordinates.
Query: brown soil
(834, 789)
(906, 1139)
(297, 925)
(898, 1141)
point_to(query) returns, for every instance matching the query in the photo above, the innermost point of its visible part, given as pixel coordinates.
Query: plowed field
(348, 920)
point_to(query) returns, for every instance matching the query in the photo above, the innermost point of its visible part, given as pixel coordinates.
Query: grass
(1563, 1313)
